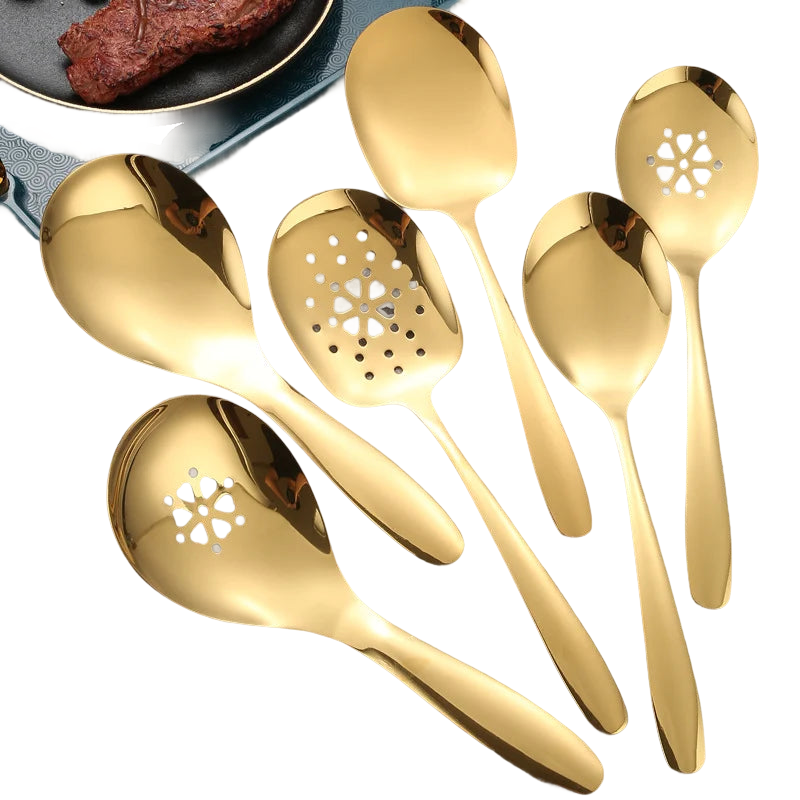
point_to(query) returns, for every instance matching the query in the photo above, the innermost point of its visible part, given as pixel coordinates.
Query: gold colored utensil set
(208, 503)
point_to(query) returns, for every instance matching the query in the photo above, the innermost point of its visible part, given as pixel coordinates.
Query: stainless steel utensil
(212, 510)
(432, 115)
(687, 158)
(362, 297)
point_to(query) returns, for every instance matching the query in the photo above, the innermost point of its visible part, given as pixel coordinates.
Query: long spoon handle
(369, 478)
(555, 464)
(676, 703)
(577, 658)
(495, 715)
(708, 527)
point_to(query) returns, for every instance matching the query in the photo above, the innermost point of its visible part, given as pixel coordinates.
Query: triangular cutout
(376, 290)
(374, 328)
(225, 503)
(352, 325)
(186, 493)
(703, 154)
(702, 176)
(207, 487)
(199, 534)
(665, 151)
(181, 516)
(221, 528)
(354, 287)
(341, 305)
(386, 310)
(665, 173)
(684, 141)
(683, 186)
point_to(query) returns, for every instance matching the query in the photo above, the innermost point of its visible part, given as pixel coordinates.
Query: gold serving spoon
(143, 260)
(212, 510)
(363, 299)
(432, 115)
(598, 298)
(687, 159)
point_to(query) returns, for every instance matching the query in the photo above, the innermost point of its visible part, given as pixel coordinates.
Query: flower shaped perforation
(683, 163)
(204, 510)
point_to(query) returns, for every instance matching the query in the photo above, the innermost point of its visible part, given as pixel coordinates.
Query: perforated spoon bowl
(598, 298)
(687, 158)
(362, 297)
(144, 261)
(212, 510)
(432, 115)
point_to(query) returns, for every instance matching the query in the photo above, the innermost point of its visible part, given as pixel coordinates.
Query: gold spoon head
(144, 261)
(362, 297)
(687, 159)
(598, 296)
(212, 510)
(430, 109)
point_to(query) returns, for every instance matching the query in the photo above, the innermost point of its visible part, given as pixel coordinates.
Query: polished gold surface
(362, 296)
(212, 510)
(687, 159)
(433, 118)
(599, 301)
(143, 260)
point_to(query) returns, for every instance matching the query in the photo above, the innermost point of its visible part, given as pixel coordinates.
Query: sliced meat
(131, 43)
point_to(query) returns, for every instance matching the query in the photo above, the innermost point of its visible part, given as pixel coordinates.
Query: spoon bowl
(211, 508)
(144, 261)
(687, 158)
(361, 294)
(432, 114)
(598, 298)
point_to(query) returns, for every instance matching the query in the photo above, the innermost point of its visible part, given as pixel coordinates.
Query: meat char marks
(130, 43)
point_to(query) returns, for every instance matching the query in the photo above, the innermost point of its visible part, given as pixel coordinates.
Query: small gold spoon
(144, 261)
(212, 510)
(432, 115)
(362, 297)
(687, 159)
(598, 298)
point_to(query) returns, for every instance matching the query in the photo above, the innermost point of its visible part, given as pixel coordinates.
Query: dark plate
(31, 58)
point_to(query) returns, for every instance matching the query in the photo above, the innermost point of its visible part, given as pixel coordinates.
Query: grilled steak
(130, 43)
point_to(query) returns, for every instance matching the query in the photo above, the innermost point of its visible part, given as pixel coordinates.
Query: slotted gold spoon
(432, 115)
(687, 159)
(363, 299)
(212, 510)
(598, 298)
(144, 261)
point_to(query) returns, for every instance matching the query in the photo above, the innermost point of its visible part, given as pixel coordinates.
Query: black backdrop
(171, 698)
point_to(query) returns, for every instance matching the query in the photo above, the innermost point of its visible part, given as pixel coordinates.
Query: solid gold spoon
(363, 299)
(143, 260)
(212, 510)
(598, 298)
(687, 159)
(432, 115)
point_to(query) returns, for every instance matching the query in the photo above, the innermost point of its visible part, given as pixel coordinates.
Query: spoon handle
(708, 528)
(676, 703)
(577, 658)
(369, 478)
(495, 715)
(555, 464)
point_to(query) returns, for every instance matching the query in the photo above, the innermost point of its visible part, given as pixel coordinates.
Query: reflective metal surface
(598, 298)
(212, 510)
(143, 260)
(432, 115)
(687, 158)
(362, 296)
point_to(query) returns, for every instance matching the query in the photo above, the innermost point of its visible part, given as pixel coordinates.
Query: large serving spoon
(143, 260)
(598, 298)
(432, 115)
(362, 297)
(687, 159)
(212, 510)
